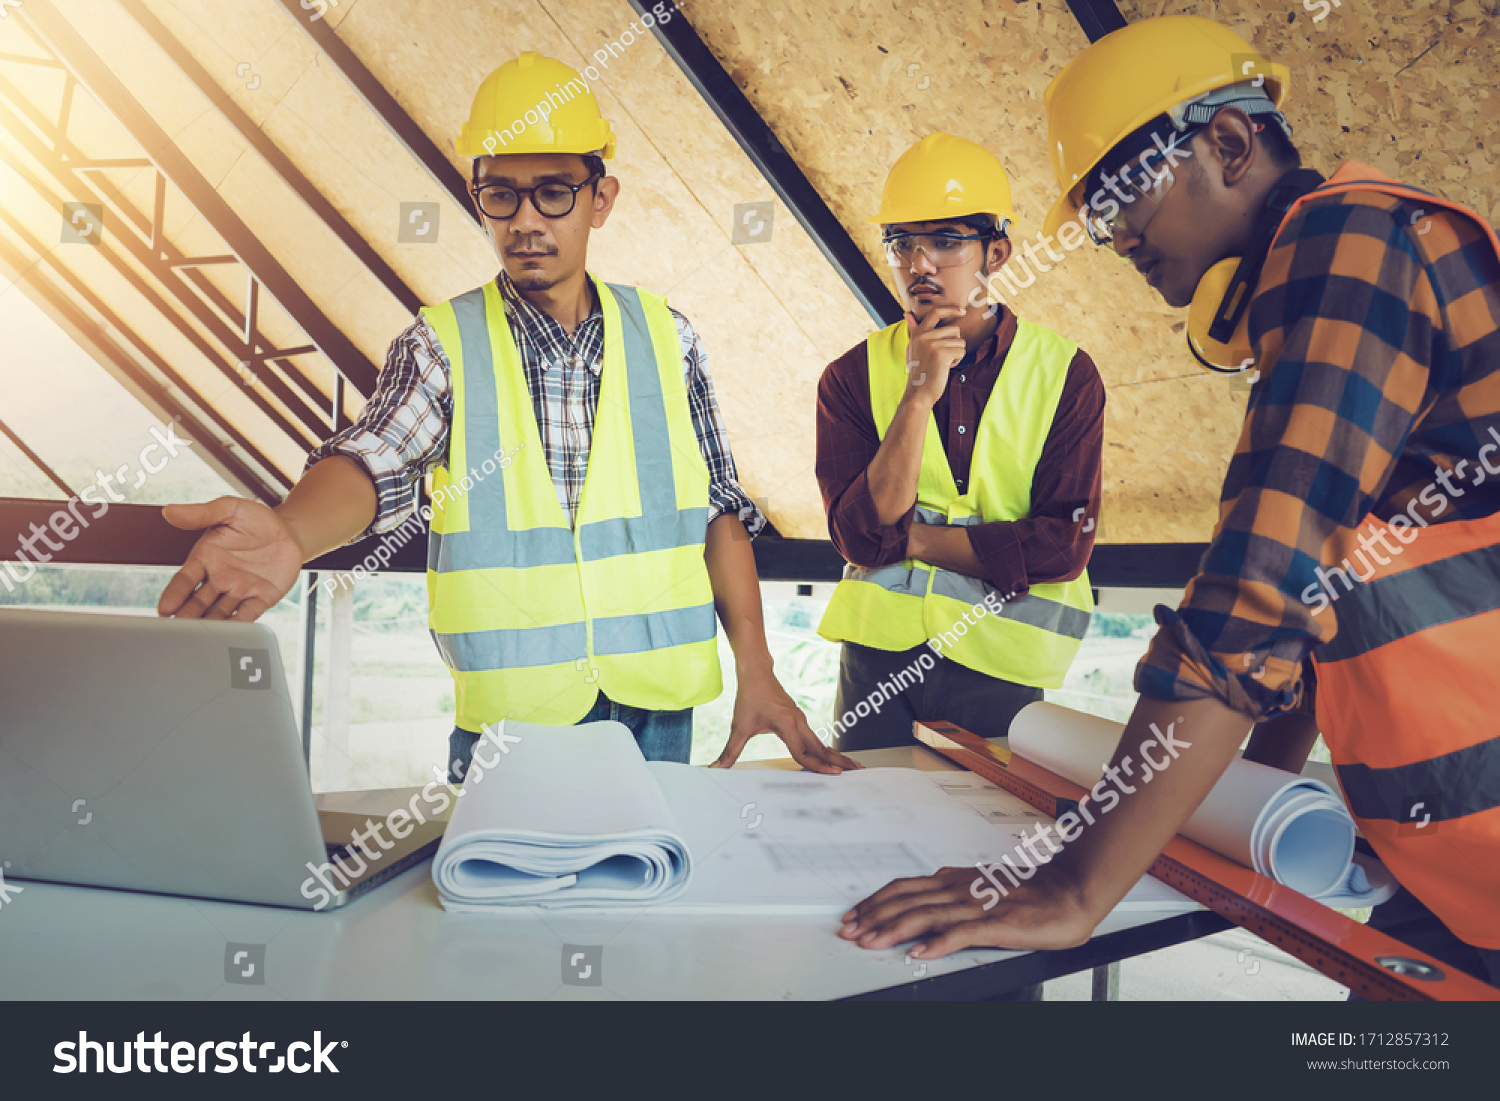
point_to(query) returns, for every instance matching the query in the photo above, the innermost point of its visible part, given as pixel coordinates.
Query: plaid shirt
(1375, 325)
(403, 431)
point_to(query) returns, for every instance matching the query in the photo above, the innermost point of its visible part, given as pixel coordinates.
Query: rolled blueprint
(559, 817)
(1292, 828)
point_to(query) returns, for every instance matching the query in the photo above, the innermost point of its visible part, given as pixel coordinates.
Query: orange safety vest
(1406, 689)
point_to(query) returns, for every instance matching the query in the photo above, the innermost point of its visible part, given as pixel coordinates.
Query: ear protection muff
(1218, 325)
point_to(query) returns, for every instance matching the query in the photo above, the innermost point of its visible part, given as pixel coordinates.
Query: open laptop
(162, 755)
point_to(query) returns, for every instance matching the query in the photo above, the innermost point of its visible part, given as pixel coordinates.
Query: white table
(398, 943)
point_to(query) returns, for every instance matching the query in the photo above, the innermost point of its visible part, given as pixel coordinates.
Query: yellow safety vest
(535, 617)
(1035, 637)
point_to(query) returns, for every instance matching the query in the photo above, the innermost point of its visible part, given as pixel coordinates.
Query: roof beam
(138, 535)
(1096, 17)
(746, 126)
(150, 541)
(165, 263)
(158, 263)
(1112, 565)
(156, 397)
(408, 133)
(279, 161)
(37, 461)
(70, 48)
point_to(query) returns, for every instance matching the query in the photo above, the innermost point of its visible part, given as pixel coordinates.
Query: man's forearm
(1283, 742)
(1110, 855)
(736, 586)
(333, 503)
(895, 471)
(946, 547)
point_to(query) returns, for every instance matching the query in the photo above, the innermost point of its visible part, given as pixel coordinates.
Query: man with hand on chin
(959, 457)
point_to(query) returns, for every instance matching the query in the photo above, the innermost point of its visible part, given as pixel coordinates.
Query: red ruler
(1322, 938)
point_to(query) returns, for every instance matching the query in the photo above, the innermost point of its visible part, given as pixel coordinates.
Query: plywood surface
(846, 88)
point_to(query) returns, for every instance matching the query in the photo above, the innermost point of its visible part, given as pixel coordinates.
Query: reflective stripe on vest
(1405, 689)
(1038, 611)
(531, 646)
(1401, 604)
(1049, 615)
(1468, 780)
(535, 617)
(1395, 606)
(1402, 704)
(1028, 640)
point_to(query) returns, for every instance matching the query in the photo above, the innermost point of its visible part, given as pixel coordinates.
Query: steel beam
(1112, 566)
(160, 258)
(1096, 17)
(158, 264)
(380, 101)
(70, 48)
(279, 161)
(125, 535)
(138, 535)
(156, 397)
(37, 460)
(747, 128)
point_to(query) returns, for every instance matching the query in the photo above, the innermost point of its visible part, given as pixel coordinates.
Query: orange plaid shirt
(1376, 327)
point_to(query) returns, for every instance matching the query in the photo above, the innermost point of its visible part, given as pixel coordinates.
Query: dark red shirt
(1047, 546)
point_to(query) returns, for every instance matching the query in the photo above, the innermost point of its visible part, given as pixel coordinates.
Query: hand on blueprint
(947, 912)
(761, 704)
(245, 562)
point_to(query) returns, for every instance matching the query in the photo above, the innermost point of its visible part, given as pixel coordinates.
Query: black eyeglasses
(551, 200)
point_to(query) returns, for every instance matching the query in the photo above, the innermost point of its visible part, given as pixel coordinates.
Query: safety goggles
(1143, 187)
(551, 200)
(942, 250)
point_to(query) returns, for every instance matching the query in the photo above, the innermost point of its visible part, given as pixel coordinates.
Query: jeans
(661, 735)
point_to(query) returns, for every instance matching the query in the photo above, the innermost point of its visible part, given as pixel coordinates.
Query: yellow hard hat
(944, 177)
(1129, 77)
(534, 104)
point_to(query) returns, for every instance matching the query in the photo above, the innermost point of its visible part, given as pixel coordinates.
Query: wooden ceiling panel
(846, 88)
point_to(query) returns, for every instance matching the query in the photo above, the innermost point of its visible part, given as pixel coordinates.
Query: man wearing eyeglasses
(958, 454)
(586, 521)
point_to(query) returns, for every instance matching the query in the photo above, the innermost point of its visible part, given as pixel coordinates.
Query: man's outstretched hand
(245, 562)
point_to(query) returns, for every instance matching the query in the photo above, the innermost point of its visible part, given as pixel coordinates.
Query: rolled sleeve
(847, 443)
(404, 428)
(1343, 325)
(856, 531)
